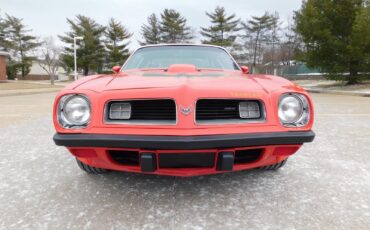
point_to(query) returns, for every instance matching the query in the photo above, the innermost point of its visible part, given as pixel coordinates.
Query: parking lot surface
(326, 185)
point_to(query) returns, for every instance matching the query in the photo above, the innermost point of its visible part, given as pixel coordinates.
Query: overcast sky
(48, 17)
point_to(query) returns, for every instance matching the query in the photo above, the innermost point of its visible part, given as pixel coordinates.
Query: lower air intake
(130, 158)
(247, 156)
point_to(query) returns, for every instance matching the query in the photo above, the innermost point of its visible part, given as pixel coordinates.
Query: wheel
(274, 166)
(90, 169)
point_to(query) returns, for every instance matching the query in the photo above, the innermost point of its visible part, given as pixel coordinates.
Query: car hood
(222, 81)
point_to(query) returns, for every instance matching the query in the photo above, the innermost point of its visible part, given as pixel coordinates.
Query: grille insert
(222, 110)
(161, 111)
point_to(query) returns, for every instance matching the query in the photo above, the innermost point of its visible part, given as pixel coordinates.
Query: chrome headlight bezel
(61, 114)
(304, 114)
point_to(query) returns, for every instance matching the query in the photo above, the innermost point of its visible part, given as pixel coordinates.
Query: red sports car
(182, 110)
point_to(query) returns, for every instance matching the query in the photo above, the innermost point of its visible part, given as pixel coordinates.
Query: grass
(360, 86)
(22, 85)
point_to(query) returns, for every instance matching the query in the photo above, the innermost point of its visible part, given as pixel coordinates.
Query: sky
(48, 17)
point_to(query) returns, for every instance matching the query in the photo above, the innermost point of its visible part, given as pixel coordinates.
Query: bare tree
(275, 39)
(257, 33)
(291, 46)
(49, 58)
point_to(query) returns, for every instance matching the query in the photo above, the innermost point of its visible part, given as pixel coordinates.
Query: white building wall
(36, 69)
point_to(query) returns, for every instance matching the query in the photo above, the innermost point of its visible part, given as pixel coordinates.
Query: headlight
(74, 111)
(294, 110)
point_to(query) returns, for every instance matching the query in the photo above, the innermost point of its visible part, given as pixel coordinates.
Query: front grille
(221, 110)
(186, 160)
(161, 111)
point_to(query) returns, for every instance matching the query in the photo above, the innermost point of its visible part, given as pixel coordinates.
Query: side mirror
(245, 69)
(116, 69)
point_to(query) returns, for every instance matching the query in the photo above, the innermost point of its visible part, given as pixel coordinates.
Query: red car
(182, 110)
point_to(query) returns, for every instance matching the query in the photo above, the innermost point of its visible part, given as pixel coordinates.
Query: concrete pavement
(333, 87)
(324, 186)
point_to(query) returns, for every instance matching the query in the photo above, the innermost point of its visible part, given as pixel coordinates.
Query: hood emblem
(185, 111)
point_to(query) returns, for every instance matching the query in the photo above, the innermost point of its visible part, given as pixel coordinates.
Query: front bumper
(183, 155)
(183, 142)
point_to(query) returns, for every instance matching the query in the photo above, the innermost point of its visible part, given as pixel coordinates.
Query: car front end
(182, 121)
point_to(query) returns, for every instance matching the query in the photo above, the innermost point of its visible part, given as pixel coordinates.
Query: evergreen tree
(151, 31)
(257, 29)
(17, 40)
(116, 34)
(2, 35)
(360, 39)
(222, 30)
(333, 35)
(90, 51)
(173, 27)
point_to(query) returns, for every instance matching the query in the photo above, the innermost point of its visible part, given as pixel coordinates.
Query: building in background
(3, 57)
(37, 73)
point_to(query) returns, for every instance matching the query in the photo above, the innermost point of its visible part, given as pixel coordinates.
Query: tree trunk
(222, 37)
(255, 49)
(86, 71)
(23, 71)
(52, 79)
(353, 74)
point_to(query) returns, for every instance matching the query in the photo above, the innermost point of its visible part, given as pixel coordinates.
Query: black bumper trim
(183, 142)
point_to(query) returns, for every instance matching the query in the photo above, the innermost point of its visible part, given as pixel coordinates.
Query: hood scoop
(182, 68)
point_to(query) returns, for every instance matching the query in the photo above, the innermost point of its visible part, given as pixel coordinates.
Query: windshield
(206, 57)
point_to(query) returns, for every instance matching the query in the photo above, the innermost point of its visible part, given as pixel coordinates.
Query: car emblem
(185, 111)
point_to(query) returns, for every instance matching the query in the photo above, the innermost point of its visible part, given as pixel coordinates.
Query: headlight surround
(74, 111)
(293, 110)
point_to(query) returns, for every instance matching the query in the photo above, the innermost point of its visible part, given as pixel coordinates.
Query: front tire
(90, 169)
(274, 166)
